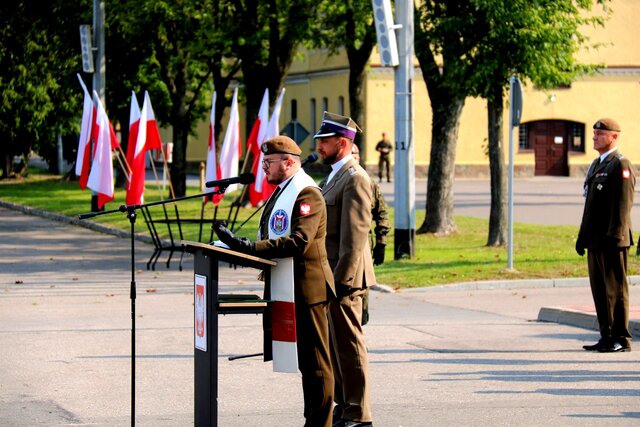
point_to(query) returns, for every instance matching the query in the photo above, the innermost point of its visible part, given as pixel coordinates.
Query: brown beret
(607, 124)
(281, 144)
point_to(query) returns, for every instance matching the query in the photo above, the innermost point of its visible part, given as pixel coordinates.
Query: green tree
(537, 41)
(267, 35)
(349, 25)
(176, 68)
(444, 41)
(37, 64)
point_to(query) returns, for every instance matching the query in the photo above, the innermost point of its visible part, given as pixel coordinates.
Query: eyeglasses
(267, 162)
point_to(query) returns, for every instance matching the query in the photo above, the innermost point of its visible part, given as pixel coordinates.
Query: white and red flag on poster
(255, 140)
(231, 148)
(147, 138)
(273, 130)
(83, 159)
(101, 175)
(212, 169)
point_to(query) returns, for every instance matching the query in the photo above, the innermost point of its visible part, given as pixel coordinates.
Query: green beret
(607, 124)
(281, 144)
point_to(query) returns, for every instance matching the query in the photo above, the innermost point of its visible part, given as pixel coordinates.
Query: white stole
(285, 352)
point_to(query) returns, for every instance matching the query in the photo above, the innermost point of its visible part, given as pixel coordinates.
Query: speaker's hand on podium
(240, 244)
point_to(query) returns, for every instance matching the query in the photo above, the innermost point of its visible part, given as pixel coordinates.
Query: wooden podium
(207, 305)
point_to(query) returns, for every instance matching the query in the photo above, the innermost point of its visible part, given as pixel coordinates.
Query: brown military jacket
(348, 200)
(609, 188)
(306, 244)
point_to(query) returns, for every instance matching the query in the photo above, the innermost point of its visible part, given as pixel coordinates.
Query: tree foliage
(537, 41)
(470, 48)
(444, 43)
(349, 25)
(37, 65)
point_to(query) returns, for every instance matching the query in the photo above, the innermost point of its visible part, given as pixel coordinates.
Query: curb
(512, 284)
(580, 319)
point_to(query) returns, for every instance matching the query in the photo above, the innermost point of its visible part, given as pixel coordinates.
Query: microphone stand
(130, 210)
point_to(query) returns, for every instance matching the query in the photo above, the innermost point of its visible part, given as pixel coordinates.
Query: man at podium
(293, 228)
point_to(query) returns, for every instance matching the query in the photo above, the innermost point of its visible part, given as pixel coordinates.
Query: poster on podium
(200, 295)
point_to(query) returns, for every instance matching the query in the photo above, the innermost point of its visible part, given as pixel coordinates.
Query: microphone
(311, 158)
(245, 178)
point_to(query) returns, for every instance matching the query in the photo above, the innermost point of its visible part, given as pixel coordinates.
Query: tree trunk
(179, 166)
(358, 54)
(356, 103)
(444, 137)
(497, 215)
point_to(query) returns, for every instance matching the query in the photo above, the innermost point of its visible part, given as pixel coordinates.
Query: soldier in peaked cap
(293, 226)
(605, 232)
(347, 194)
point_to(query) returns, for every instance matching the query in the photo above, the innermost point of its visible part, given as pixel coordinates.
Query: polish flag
(83, 159)
(273, 130)
(134, 125)
(147, 138)
(212, 169)
(230, 151)
(153, 140)
(101, 175)
(255, 140)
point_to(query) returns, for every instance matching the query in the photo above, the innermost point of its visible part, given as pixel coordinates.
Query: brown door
(549, 139)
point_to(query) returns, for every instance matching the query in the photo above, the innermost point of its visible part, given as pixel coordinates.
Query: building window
(341, 105)
(523, 137)
(294, 109)
(325, 104)
(576, 132)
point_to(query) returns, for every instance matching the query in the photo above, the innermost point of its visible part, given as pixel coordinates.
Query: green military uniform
(605, 232)
(384, 147)
(380, 218)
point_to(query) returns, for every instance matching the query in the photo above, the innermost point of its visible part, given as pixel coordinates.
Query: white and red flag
(101, 175)
(83, 159)
(134, 125)
(147, 138)
(231, 148)
(212, 169)
(273, 130)
(255, 140)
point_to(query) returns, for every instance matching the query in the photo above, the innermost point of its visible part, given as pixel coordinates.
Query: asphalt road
(452, 356)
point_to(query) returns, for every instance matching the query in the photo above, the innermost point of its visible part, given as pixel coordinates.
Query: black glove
(579, 249)
(240, 244)
(378, 253)
(342, 290)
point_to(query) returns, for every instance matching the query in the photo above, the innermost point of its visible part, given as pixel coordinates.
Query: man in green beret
(292, 230)
(605, 232)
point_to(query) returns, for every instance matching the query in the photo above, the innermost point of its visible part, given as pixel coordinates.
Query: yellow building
(555, 133)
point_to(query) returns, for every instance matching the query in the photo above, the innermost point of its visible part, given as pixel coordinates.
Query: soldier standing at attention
(605, 232)
(347, 194)
(384, 147)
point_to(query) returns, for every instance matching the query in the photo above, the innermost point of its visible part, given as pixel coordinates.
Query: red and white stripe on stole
(283, 317)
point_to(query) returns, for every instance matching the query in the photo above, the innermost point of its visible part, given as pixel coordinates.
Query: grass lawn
(539, 251)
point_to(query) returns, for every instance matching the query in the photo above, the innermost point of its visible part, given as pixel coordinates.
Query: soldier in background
(605, 232)
(384, 147)
(380, 218)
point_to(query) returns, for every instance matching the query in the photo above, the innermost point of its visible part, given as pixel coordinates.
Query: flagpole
(125, 167)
